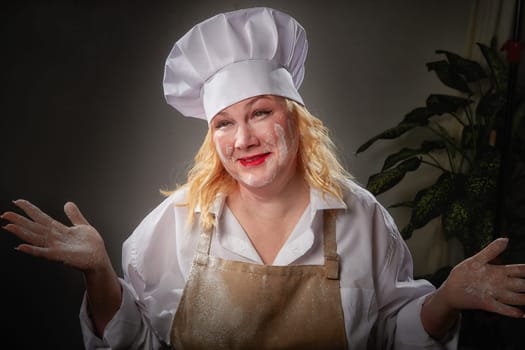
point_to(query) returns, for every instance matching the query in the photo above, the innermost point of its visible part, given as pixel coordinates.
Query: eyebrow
(248, 105)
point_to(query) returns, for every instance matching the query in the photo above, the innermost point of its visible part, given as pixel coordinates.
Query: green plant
(464, 194)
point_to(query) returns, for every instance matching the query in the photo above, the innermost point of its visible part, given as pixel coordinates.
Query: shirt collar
(323, 201)
(318, 201)
(216, 207)
(299, 242)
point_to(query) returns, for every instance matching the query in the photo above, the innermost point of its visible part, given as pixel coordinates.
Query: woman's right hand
(79, 245)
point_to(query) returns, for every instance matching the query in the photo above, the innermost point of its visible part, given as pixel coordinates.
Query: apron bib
(234, 305)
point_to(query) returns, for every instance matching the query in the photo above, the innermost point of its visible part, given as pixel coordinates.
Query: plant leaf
(440, 104)
(470, 70)
(482, 182)
(383, 181)
(474, 228)
(428, 146)
(407, 204)
(489, 107)
(449, 140)
(407, 231)
(417, 117)
(497, 66)
(448, 77)
(468, 135)
(432, 201)
(483, 232)
(391, 133)
(405, 153)
(456, 220)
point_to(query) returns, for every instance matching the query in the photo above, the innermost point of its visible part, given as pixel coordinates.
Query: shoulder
(373, 253)
(367, 221)
(357, 197)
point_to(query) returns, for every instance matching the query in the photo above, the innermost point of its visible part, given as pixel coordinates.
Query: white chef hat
(233, 56)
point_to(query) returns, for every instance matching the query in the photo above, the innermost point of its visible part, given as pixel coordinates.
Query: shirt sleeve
(413, 334)
(151, 287)
(399, 298)
(128, 329)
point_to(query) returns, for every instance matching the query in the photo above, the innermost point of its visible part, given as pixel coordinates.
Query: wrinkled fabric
(381, 301)
(230, 304)
(232, 56)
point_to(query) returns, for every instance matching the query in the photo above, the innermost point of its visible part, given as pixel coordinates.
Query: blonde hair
(317, 160)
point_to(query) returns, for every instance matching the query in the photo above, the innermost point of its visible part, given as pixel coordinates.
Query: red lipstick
(254, 160)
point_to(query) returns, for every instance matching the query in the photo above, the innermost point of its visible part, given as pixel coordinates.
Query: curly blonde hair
(317, 160)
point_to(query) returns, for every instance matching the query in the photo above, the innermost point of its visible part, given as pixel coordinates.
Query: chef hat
(233, 56)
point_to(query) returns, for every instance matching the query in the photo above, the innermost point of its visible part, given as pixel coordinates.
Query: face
(256, 141)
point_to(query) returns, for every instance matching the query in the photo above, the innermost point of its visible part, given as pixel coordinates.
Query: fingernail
(67, 207)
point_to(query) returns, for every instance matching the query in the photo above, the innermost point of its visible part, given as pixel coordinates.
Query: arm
(104, 296)
(476, 284)
(79, 246)
(437, 316)
(398, 296)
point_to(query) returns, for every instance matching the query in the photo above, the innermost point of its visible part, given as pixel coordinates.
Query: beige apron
(234, 305)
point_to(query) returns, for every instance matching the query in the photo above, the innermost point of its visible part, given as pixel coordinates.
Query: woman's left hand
(475, 283)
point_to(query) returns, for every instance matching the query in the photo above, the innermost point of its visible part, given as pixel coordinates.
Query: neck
(272, 203)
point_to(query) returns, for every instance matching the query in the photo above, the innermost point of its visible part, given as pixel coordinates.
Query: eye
(262, 112)
(221, 124)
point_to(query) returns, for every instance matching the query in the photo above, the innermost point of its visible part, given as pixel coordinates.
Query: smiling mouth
(255, 160)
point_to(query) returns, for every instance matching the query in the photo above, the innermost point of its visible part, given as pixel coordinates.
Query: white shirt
(381, 301)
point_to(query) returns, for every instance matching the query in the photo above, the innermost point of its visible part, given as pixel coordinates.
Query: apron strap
(331, 259)
(203, 247)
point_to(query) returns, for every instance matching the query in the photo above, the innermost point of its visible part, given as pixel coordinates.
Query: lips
(254, 160)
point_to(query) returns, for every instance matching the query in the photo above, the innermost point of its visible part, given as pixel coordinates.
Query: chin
(255, 182)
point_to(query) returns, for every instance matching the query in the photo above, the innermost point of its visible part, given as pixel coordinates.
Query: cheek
(223, 147)
(266, 134)
(287, 140)
(281, 140)
(291, 134)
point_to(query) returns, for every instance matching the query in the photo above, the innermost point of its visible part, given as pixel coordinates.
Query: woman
(269, 244)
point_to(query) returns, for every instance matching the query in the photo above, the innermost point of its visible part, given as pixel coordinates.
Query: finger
(515, 270)
(74, 214)
(503, 309)
(21, 220)
(36, 251)
(491, 251)
(26, 235)
(33, 212)
(515, 284)
(38, 215)
(511, 298)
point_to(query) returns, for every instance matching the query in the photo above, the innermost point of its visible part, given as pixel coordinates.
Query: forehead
(246, 104)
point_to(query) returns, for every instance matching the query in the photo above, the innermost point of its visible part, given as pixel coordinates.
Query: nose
(245, 137)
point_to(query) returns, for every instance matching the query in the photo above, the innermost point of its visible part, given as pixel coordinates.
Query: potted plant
(464, 194)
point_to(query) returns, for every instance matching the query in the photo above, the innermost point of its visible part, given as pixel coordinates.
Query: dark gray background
(84, 117)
